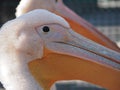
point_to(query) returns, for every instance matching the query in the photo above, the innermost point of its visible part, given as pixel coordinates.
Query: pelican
(77, 23)
(40, 48)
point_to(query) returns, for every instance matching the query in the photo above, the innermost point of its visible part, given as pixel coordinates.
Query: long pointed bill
(81, 47)
(83, 27)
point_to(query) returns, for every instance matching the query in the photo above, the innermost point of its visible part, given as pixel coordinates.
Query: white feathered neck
(14, 72)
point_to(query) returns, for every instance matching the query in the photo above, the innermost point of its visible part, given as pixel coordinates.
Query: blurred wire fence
(74, 85)
(103, 14)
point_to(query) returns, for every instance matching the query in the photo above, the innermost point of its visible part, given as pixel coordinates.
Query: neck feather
(14, 73)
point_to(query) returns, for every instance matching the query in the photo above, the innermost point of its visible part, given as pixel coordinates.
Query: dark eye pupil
(46, 29)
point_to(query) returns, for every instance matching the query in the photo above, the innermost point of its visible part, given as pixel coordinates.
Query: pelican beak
(83, 27)
(81, 47)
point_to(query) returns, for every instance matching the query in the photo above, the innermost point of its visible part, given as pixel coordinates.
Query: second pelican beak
(83, 27)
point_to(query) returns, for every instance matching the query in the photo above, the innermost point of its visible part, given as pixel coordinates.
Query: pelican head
(75, 21)
(57, 36)
(26, 37)
(35, 4)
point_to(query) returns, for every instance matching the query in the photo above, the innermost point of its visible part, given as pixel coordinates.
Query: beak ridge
(92, 50)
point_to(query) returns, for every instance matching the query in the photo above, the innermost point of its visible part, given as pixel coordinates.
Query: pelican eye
(46, 29)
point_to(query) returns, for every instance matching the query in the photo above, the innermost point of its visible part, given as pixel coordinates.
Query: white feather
(18, 40)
